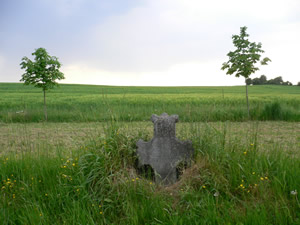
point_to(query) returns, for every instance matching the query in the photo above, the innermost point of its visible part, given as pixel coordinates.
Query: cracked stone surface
(164, 152)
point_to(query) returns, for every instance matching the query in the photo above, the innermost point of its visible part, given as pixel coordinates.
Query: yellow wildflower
(204, 186)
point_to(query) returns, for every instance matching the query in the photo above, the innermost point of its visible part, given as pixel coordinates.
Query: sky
(148, 42)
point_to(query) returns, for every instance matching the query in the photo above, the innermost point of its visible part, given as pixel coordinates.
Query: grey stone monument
(164, 152)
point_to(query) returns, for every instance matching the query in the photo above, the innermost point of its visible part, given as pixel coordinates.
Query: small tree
(242, 61)
(263, 79)
(42, 72)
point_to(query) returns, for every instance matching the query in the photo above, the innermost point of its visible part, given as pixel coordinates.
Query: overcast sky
(148, 42)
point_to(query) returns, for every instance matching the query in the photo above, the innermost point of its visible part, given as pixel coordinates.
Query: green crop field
(80, 167)
(83, 103)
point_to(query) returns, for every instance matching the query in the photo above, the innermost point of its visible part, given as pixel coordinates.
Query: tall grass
(84, 103)
(230, 181)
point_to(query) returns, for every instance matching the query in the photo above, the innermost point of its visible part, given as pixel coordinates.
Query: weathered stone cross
(164, 152)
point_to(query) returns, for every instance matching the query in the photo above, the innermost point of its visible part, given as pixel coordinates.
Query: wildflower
(262, 178)
(73, 164)
(65, 166)
(251, 144)
(68, 161)
(216, 194)
(150, 183)
(77, 189)
(40, 181)
(204, 186)
(248, 191)
(100, 212)
(255, 185)
(93, 205)
(14, 196)
(132, 180)
(253, 173)
(6, 159)
(266, 178)
(137, 178)
(46, 194)
(100, 206)
(245, 153)
(294, 192)
(40, 214)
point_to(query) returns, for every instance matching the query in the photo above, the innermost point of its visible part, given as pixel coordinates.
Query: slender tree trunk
(45, 106)
(247, 101)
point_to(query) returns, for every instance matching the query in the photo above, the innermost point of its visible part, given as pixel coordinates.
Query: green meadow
(80, 167)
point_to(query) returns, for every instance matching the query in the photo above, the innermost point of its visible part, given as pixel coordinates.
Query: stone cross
(164, 152)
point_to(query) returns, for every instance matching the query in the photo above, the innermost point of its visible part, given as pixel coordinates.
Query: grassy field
(87, 103)
(80, 168)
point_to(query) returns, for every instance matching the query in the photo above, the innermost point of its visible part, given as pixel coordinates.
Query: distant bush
(263, 80)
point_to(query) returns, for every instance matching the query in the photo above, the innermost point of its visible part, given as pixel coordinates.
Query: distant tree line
(263, 80)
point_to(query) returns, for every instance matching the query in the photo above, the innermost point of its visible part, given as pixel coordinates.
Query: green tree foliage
(42, 72)
(242, 61)
(263, 80)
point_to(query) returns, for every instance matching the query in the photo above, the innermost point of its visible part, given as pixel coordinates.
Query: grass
(91, 103)
(81, 168)
(238, 175)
